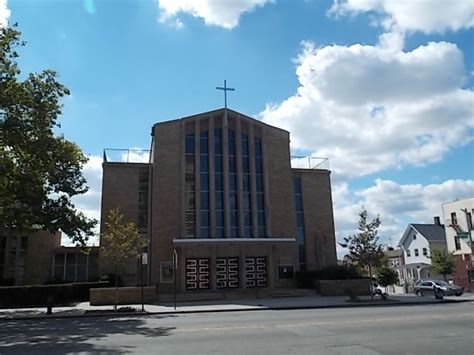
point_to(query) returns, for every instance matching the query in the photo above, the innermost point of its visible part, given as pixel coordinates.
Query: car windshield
(441, 283)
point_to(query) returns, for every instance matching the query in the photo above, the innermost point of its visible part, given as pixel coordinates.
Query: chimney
(436, 221)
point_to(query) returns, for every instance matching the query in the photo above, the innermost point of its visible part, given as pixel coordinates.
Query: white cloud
(398, 205)
(4, 13)
(414, 15)
(369, 108)
(89, 203)
(136, 155)
(220, 13)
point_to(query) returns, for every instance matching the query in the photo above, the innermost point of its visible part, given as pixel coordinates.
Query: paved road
(428, 329)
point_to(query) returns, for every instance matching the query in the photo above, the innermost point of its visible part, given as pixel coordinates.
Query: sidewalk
(84, 309)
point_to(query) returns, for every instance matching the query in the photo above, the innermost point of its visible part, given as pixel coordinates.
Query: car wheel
(458, 294)
(419, 293)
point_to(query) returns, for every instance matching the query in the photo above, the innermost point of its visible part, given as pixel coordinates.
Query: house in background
(396, 262)
(458, 229)
(417, 243)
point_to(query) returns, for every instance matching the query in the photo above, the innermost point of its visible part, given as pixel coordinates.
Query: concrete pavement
(281, 303)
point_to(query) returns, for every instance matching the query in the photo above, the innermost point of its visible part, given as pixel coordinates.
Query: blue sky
(384, 89)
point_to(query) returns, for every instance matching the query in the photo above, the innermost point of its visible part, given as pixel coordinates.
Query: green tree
(40, 172)
(386, 276)
(364, 248)
(120, 243)
(442, 262)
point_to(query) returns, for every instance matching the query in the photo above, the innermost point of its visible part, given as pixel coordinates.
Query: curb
(260, 308)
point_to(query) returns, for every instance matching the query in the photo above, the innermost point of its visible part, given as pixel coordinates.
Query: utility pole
(175, 271)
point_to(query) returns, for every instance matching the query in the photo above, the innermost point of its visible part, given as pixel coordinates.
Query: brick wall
(318, 218)
(126, 295)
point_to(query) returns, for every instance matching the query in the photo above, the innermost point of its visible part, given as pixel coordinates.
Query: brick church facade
(219, 194)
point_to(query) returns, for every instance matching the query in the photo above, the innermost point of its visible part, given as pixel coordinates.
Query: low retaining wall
(359, 287)
(125, 295)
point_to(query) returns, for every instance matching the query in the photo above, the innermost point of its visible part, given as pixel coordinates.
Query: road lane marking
(323, 323)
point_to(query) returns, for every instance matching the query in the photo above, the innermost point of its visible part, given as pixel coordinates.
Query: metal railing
(308, 162)
(126, 155)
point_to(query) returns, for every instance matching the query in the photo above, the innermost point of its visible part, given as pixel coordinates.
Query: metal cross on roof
(225, 89)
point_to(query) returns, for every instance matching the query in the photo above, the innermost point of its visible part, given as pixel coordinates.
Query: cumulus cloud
(220, 13)
(89, 203)
(397, 204)
(4, 13)
(373, 107)
(428, 16)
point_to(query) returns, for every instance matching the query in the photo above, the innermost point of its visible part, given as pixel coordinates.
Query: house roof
(433, 233)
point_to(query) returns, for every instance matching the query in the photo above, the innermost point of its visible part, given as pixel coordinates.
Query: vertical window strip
(218, 183)
(204, 180)
(190, 188)
(233, 200)
(300, 232)
(247, 197)
(260, 188)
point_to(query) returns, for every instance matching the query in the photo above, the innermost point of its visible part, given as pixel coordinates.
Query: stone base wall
(126, 295)
(338, 287)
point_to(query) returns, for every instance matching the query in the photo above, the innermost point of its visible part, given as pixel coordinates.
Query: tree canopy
(364, 247)
(442, 262)
(386, 276)
(40, 171)
(120, 243)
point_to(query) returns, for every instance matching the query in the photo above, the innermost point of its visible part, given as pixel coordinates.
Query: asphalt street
(424, 329)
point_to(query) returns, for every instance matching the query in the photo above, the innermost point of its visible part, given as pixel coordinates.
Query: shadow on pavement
(76, 335)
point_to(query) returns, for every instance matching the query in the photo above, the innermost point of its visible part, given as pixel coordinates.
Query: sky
(383, 89)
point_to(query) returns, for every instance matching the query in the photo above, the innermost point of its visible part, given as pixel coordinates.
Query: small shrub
(352, 294)
(110, 279)
(38, 295)
(305, 279)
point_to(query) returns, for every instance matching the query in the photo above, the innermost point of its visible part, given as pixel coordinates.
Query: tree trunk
(371, 286)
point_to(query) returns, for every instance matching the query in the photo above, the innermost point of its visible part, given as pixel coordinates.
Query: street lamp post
(175, 270)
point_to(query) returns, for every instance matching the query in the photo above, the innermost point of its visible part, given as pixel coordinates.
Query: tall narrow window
(454, 219)
(457, 242)
(219, 183)
(143, 200)
(190, 188)
(260, 189)
(300, 233)
(233, 200)
(204, 179)
(247, 196)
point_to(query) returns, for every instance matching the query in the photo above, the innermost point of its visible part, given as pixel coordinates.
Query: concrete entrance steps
(214, 295)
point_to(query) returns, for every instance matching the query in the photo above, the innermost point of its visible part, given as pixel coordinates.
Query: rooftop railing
(126, 156)
(308, 162)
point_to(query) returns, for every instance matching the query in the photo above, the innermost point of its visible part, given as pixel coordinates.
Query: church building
(219, 201)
